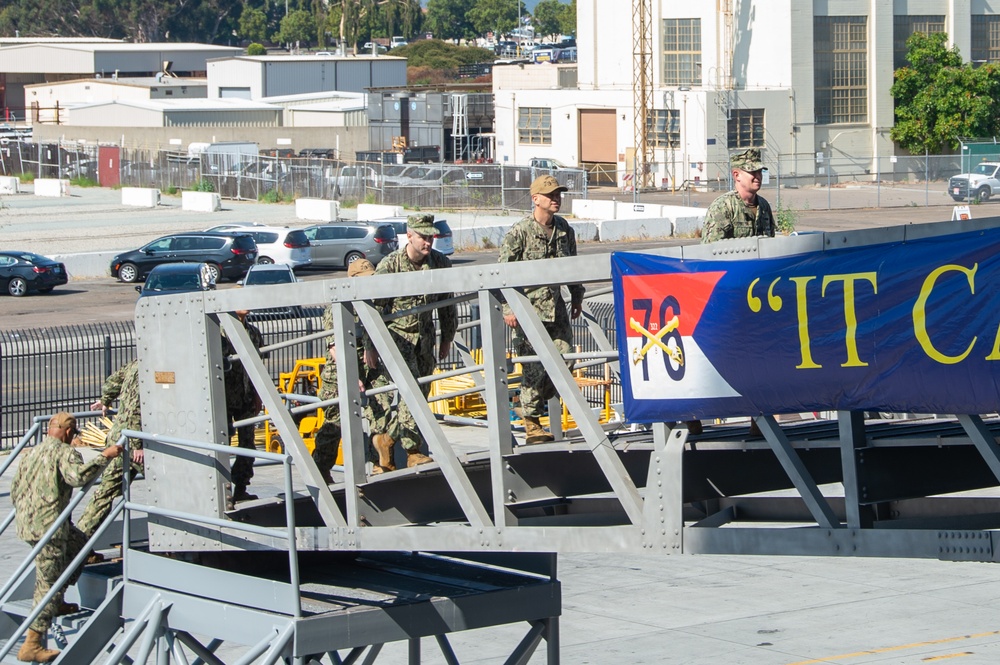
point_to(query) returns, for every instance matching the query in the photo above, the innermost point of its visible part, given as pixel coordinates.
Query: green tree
(253, 25)
(500, 16)
(939, 99)
(549, 17)
(299, 26)
(256, 49)
(567, 22)
(449, 19)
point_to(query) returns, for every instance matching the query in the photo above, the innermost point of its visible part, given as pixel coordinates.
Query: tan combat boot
(415, 457)
(534, 433)
(32, 650)
(383, 445)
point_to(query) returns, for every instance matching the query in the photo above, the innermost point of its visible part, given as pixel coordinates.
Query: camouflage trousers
(398, 422)
(536, 386)
(242, 469)
(50, 563)
(327, 441)
(104, 496)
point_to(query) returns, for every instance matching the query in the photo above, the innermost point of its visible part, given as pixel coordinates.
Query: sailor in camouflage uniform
(328, 435)
(41, 490)
(242, 401)
(123, 385)
(740, 213)
(414, 335)
(542, 235)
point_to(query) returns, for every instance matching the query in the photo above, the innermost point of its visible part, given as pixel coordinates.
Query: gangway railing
(597, 490)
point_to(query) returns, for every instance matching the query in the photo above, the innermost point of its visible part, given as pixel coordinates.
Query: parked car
(982, 183)
(276, 244)
(269, 273)
(24, 272)
(442, 239)
(353, 179)
(340, 244)
(229, 254)
(231, 226)
(266, 274)
(177, 278)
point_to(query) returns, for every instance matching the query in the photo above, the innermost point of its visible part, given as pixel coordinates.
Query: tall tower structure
(642, 88)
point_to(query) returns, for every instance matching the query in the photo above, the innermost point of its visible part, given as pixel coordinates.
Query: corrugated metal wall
(238, 72)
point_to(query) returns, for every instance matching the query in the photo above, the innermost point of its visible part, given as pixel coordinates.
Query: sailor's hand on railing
(97, 406)
(444, 350)
(137, 455)
(112, 452)
(575, 311)
(510, 320)
(371, 358)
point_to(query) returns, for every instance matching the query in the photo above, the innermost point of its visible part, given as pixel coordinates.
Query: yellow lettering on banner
(803, 318)
(920, 313)
(850, 313)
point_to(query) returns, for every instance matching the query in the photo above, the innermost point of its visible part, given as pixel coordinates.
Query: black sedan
(23, 272)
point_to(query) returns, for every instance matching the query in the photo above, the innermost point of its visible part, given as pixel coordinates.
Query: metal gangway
(845, 483)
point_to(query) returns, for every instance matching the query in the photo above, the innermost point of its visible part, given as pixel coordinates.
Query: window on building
(746, 128)
(841, 58)
(903, 28)
(682, 51)
(663, 128)
(985, 38)
(534, 125)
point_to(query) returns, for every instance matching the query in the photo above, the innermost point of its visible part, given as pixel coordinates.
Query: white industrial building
(806, 81)
(256, 77)
(47, 61)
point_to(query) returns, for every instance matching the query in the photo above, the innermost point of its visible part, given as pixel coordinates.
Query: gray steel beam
(351, 410)
(797, 472)
(852, 438)
(497, 398)
(410, 392)
(586, 421)
(984, 441)
(294, 444)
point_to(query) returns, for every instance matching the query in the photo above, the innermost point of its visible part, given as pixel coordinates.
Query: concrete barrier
(201, 201)
(318, 210)
(141, 197)
(488, 237)
(8, 185)
(369, 211)
(614, 230)
(51, 187)
(86, 266)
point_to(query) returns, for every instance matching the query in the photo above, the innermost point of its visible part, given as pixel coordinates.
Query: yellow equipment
(304, 379)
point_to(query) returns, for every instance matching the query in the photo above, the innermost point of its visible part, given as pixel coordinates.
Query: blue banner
(896, 327)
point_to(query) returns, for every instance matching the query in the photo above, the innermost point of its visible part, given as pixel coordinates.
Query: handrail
(288, 534)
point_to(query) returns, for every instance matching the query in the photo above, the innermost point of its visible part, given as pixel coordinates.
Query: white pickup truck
(982, 183)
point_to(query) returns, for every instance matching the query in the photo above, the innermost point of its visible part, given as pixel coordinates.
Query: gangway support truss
(841, 484)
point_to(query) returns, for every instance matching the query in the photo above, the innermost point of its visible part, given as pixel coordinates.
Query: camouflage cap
(748, 160)
(422, 224)
(546, 184)
(360, 268)
(64, 420)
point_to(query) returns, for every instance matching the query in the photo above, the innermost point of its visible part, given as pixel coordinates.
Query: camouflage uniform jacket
(241, 395)
(123, 385)
(45, 478)
(730, 217)
(527, 241)
(414, 326)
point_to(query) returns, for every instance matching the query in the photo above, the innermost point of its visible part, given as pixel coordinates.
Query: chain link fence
(794, 182)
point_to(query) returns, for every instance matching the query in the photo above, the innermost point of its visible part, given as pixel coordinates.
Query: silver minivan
(339, 244)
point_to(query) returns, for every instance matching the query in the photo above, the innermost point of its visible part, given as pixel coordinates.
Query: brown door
(598, 145)
(108, 166)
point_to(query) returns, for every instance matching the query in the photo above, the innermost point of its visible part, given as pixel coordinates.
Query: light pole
(684, 141)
